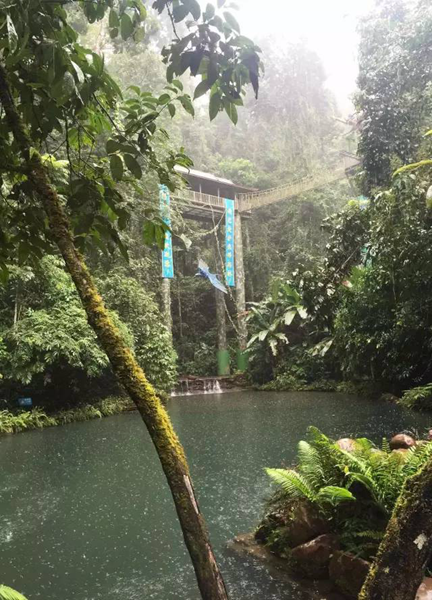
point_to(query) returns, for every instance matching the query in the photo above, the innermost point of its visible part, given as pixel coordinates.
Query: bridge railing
(289, 190)
(200, 199)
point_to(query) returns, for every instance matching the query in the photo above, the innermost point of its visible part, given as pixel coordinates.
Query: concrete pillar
(240, 295)
(166, 303)
(223, 356)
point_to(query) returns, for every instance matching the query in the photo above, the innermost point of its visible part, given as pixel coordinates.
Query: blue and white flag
(167, 254)
(229, 243)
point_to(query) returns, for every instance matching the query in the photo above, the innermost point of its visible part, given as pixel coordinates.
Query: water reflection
(85, 513)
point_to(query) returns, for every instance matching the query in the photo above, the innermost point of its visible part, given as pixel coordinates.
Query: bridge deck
(203, 206)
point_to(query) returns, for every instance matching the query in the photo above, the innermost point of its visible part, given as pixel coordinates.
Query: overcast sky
(327, 26)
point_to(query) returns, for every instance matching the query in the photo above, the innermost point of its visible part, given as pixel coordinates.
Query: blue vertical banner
(229, 243)
(167, 254)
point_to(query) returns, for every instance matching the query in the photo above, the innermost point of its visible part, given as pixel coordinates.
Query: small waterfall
(206, 385)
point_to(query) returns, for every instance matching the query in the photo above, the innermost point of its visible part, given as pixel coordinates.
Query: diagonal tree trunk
(129, 373)
(407, 545)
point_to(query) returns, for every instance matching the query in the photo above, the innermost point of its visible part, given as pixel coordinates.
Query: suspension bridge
(208, 196)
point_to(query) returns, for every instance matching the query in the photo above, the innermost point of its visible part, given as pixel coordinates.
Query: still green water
(85, 513)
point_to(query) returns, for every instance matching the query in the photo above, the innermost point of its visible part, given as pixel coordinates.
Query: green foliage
(7, 593)
(419, 398)
(47, 340)
(394, 99)
(270, 318)
(382, 327)
(151, 339)
(70, 105)
(16, 422)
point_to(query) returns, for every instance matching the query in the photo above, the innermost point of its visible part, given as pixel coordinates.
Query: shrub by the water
(15, 422)
(419, 397)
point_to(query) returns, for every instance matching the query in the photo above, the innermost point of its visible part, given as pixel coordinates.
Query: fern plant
(326, 475)
(7, 593)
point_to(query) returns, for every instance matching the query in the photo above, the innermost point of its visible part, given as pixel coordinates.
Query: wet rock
(311, 560)
(425, 590)
(292, 527)
(348, 573)
(347, 444)
(388, 398)
(271, 522)
(402, 441)
(305, 525)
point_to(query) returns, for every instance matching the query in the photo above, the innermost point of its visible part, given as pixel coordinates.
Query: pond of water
(85, 513)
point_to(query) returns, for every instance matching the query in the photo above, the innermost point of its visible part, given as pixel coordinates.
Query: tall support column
(241, 295)
(166, 303)
(223, 356)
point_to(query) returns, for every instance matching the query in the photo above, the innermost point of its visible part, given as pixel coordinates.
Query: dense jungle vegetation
(338, 286)
(365, 316)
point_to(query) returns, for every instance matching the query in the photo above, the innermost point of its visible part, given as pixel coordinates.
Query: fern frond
(385, 446)
(310, 465)
(293, 484)
(7, 593)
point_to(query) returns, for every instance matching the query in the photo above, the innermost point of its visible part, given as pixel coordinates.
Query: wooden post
(240, 295)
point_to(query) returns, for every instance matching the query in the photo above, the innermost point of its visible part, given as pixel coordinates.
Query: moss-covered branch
(124, 365)
(406, 548)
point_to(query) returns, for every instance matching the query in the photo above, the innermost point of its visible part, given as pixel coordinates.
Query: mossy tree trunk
(407, 545)
(124, 365)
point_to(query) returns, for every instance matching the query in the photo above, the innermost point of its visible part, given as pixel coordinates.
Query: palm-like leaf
(7, 593)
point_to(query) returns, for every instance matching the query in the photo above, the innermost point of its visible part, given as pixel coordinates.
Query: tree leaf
(214, 106)
(193, 7)
(209, 12)
(113, 20)
(231, 111)
(116, 166)
(112, 146)
(186, 102)
(126, 26)
(133, 166)
(202, 88)
(232, 22)
(149, 232)
(180, 12)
